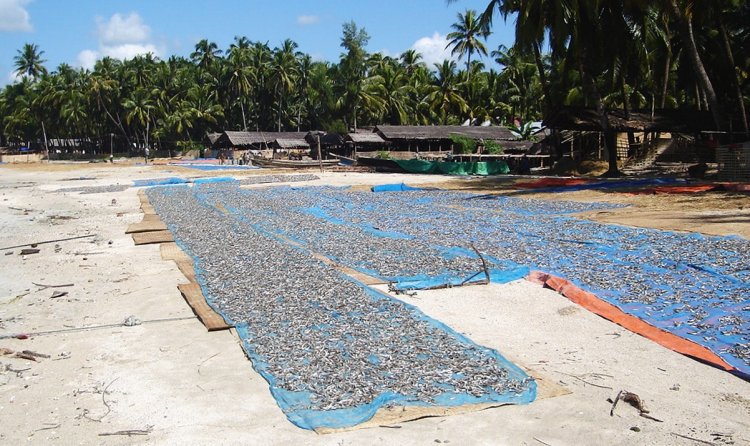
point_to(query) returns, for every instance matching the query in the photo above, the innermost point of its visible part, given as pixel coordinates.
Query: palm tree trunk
(735, 79)
(610, 136)
(244, 122)
(665, 84)
(688, 38)
(542, 76)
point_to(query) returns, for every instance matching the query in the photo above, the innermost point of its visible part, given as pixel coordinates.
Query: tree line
(627, 54)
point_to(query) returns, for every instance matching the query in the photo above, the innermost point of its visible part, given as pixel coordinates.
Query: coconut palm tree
(29, 61)
(443, 96)
(239, 73)
(205, 54)
(284, 71)
(467, 35)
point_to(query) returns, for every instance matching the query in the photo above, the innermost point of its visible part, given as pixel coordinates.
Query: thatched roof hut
(663, 120)
(254, 140)
(290, 144)
(438, 137)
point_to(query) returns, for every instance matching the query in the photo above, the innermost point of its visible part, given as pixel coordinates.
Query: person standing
(145, 154)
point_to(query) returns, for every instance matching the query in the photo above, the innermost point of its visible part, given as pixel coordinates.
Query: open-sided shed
(421, 138)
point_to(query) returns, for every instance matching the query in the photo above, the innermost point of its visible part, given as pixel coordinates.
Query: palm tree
(284, 70)
(29, 61)
(443, 96)
(139, 107)
(205, 54)
(466, 39)
(239, 73)
(411, 60)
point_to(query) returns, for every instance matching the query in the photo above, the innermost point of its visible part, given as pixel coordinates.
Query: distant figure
(221, 157)
(525, 167)
(145, 154)
(698, 171)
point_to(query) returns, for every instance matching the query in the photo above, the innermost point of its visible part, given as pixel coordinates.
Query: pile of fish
(321, 339)
(692, 285)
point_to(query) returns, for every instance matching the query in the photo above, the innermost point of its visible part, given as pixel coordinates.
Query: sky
(78, 32)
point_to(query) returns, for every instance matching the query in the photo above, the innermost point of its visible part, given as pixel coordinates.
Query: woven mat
(194, 297)
(148, 238)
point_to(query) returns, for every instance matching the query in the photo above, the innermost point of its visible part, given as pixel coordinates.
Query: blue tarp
(398, 187)
(694, 286)
(297, 405)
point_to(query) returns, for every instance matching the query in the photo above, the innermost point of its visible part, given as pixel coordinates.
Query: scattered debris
(587, 382)
(48, 241)
(22, 355)
(56, 294)
(104, 400)
(130, 432)
(697, 440)
(28, 251)
(635, 401)
(131, 321)
(44, 287)
(35, 354)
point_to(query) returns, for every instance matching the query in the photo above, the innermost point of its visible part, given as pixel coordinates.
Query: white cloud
(14, 77)
(307, 19)
(120, 37)
(121, 29)
(87, 59)
(129, 50)
(14, 16)
(433, 49)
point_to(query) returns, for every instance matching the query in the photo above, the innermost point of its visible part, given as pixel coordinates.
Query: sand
(170, 378)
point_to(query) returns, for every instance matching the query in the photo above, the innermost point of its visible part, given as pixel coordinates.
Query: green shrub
(463, 144)
(493, 148)
(383, 155)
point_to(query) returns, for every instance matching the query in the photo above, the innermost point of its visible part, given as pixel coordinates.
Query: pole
(111, 150)
(46, 146)
(320, 156)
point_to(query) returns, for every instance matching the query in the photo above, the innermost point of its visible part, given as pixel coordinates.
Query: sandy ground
(187, 386)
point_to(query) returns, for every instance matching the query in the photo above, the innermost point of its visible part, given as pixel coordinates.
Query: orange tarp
(627, 321)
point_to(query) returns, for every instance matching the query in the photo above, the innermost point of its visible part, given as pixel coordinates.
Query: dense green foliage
(625, 54)
(463, 144)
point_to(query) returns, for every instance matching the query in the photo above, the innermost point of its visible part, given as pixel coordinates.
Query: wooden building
(428, 138)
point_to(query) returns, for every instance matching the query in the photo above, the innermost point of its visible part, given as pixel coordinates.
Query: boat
(380, 164)
(293, 164)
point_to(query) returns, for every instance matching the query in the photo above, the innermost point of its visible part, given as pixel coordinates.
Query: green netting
(454, 168)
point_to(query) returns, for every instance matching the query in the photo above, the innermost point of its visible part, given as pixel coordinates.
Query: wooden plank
(194, 297)
(148, 209)
(146, 226)
(186, 268)
(148, 238)
(172, 251)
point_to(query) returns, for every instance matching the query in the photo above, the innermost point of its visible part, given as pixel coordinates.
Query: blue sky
(78, 32)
